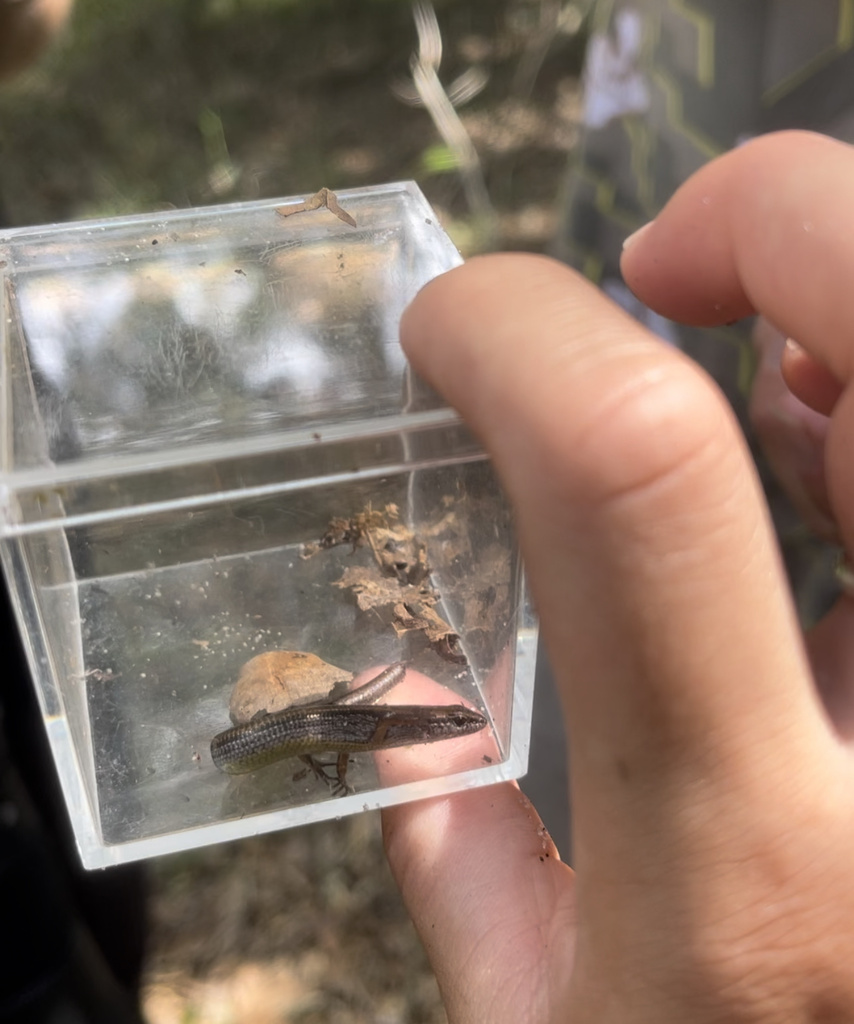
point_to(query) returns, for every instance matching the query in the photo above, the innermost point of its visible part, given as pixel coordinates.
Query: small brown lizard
(324, 198)
(349, 723)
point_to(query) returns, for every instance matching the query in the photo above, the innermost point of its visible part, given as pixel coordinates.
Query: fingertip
(762, 228)
(463, 861)
(809, 381)
(477, 871)
(464, 291)
(455, 831)
(680, 264)
(466, 326)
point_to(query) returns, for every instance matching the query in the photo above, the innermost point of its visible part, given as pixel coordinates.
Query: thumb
(660, 592)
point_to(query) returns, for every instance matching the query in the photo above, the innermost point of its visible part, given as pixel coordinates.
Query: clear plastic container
(213, 449)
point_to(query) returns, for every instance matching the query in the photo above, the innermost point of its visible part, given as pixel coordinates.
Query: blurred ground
(304, 926)
(188, 102)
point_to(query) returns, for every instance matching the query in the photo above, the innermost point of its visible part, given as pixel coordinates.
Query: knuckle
(665, 426)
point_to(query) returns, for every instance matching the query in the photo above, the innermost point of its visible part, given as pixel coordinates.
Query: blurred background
(139, 107)
(174, 103)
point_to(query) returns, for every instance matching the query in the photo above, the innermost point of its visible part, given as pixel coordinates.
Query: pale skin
(712, 772)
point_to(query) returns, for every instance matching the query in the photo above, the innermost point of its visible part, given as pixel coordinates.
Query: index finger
(766, 228)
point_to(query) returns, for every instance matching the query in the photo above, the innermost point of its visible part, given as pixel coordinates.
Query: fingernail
(635, 235)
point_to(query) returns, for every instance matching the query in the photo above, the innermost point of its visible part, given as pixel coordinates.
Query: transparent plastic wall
(225, 499)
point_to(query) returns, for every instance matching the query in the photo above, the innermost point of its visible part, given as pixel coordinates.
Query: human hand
(713, 791)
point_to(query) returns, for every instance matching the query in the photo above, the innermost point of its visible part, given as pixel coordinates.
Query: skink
(350, 723)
